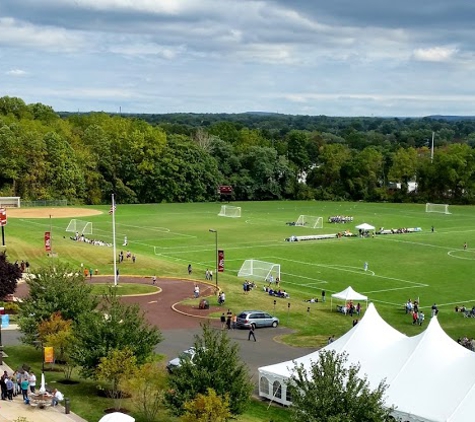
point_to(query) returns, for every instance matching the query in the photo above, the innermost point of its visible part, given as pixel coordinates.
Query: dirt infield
(159, 307)
(46, 212)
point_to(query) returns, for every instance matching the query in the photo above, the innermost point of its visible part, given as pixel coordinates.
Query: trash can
(67, 406)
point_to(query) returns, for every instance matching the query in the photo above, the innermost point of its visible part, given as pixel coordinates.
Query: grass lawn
(124, 289)
(431, 266)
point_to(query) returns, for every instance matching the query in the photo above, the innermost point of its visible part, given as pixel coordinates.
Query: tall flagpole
(113, 240)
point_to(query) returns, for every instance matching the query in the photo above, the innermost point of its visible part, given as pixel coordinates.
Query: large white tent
(431, 377)
(348, 294)
(365, 226)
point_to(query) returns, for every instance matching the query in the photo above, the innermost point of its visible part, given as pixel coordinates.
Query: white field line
(359, 272)
(449, 253)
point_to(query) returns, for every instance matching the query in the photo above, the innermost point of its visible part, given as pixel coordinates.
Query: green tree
(9, 276)
(54, 289)
(146, 386)
(113, 368)
(207, 407)
(332, 391)
(215, 365)
(404, 166)
(115, 325)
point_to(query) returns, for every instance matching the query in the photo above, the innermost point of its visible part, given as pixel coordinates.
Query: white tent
(117, 417)
(431, 378)
(347, 295)
(365, 226)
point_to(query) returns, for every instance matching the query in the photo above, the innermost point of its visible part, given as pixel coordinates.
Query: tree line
(185, 157)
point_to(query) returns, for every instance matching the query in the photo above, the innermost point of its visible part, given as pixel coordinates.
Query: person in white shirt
(57, 397)
(32, 380)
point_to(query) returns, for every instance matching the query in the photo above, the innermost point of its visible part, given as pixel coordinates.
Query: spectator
(57, 397)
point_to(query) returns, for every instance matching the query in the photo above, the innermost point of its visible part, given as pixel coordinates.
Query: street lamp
(216, 254)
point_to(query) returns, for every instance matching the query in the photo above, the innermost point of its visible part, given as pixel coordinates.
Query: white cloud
(435, 54)
(326, 57)
(15, 72)
(19, 34)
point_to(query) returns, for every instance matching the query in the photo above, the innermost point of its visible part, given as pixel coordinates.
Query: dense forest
(185, 157)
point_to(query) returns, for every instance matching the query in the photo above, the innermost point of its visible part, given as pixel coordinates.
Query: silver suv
(258, 319)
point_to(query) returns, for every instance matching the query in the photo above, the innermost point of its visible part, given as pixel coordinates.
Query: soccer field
(431, 266)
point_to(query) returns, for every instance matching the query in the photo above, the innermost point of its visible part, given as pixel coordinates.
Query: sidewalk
(12, 410)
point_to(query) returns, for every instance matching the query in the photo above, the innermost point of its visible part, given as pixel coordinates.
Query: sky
(308, 57)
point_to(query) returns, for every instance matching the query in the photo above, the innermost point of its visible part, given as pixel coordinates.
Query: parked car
(258, 319)
(188, 354)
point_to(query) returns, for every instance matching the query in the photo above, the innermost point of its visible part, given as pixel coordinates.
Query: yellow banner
(49, 354)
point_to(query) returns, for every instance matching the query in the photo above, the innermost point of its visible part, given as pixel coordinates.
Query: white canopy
(349, 294)
(117, 417)
(365, 226)
(431, 377)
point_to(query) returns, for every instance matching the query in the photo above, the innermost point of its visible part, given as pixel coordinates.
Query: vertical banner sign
(48, 241)
(3, 223)
(221, 261)
(49, 354)
(3, 217)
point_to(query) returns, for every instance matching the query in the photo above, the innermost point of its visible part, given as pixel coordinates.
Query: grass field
(431, 266)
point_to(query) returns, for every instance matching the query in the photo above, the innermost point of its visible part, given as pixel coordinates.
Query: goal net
(79, 226)
(310, 222)
(259, 270)
(230, 211)
(441, 208)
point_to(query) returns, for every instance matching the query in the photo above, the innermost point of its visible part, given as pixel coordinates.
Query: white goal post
(310, 222)
(441, 208)
(230, 211)
(259, 270)
(79, 226)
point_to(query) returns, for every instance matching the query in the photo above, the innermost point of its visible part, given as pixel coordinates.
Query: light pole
(216, 254)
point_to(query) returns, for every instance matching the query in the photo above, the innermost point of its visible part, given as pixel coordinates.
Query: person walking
(323, 296)
(251, 333)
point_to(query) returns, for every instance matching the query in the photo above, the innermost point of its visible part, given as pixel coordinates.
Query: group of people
(340, 219)
(247, 286)
(23, 265)
(418, 317)
(350, 308)
(209, 275)
(274, 292)
(468, 343)
(95, 242)
(128, 255)
(468, 313)
(229, 320)
(24, 383)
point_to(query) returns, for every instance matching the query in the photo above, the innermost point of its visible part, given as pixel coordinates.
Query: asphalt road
(265, 351)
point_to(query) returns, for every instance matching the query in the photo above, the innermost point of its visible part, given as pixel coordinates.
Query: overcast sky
(331, 57)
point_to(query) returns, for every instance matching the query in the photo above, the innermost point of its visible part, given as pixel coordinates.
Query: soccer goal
(259, 270)
(79, 226)
(230, 211)
(441, 208)
(310, 222)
